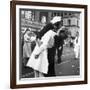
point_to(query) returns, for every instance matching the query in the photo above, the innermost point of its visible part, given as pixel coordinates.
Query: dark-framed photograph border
(13, 40)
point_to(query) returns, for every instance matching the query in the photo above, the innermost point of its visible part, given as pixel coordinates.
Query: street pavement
(69, 65)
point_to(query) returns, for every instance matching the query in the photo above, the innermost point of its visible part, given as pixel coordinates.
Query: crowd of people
(44, 45)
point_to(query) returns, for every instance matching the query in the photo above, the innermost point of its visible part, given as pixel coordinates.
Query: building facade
(36, 19)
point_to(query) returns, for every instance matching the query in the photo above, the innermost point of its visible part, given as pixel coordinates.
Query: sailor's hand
(36, 56)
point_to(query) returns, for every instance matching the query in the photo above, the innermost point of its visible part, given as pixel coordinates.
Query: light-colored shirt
(46, 39)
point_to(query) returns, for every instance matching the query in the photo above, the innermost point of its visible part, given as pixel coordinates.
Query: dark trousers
(59, 53)
(51, 58)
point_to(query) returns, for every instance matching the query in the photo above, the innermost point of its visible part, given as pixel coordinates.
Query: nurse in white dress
(40, 63)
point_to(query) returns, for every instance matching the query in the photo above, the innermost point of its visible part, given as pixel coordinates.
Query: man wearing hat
(53, 25)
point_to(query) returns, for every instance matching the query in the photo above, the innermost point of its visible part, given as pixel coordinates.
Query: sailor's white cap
(55, 19)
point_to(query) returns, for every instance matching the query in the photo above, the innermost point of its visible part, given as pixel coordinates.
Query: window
(77, 23)
(70, 14)
(69, 22)
(65, 13)
(54, 14)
